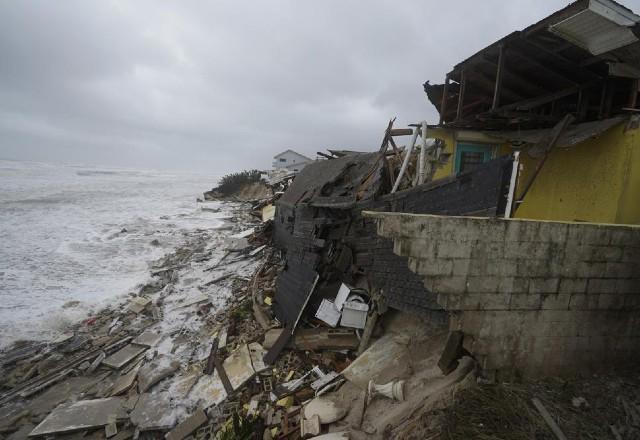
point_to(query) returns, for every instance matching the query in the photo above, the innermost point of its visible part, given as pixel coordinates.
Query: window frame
(488, 150)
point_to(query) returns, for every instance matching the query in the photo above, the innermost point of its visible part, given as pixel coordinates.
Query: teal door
(469, 156)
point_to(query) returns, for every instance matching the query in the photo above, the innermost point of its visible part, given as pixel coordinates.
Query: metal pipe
(406, 160)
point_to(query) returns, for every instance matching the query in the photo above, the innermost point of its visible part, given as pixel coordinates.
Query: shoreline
(188, 291)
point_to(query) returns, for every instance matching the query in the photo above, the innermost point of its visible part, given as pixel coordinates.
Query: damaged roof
(584, 59)
(337, 182)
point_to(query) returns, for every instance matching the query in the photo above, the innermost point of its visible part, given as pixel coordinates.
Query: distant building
(291, 161)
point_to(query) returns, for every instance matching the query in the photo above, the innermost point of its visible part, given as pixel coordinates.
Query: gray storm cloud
(215, 86)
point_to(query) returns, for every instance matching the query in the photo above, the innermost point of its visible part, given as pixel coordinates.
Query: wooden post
(461, 95)
(499, 73)
(443, 103)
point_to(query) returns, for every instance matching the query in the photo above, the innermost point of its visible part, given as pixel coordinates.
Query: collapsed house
(514, 222)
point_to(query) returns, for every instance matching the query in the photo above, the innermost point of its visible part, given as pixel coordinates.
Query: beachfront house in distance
(291, 161)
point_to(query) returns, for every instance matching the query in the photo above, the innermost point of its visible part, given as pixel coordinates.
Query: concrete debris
(188, 426)
(310, 427)
(77, 416)
(148, 339)
(153, 372)
(96, 362)
(332, 436)
(124, 382)
(125, 355)
(139, 303)
(153, 412)
(386, 353)
(112, 427)
(327, 410)
(236, 244)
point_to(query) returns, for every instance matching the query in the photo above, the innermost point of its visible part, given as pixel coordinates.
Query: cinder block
(515, 285)
(579, 301)
(544, 285)
(432, 267)
(485, 301)
(454, 249)
(589, 269)
(553, 232)
(525, 301)
(461, 267)
(573, 285)
(480, 284)
(591, 234)
(632, 301)
(558, 301)
(599, 285)
(602, 253)
(610, 301)
(487, 250)
(619, 270)
(449, 284)
(624, 236)
(500, 267)
(631, 285)
(521, 231)
(631, 254)
(527, 250)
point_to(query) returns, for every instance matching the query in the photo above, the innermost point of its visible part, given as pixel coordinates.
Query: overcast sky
(213, 86)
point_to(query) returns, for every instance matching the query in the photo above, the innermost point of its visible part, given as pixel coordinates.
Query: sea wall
(531, 297)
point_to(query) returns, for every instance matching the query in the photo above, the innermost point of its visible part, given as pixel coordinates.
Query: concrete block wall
(532, 297)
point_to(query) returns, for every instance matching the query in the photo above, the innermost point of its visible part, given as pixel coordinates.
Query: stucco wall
(531, 297)
(595, 181)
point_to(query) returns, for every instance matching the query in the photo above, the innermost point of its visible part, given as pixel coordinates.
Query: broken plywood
(123, 356)
(77, 416)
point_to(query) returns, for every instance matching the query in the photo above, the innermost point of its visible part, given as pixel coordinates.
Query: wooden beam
(463, 82)
(480, 79)
(499, 74)
(537, 102)
(509, 76)
(554, 135)
(401, 132)
(443, 104)
(570, 64)
(543, 68)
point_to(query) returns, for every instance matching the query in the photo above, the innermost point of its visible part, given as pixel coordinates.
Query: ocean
(75, 238)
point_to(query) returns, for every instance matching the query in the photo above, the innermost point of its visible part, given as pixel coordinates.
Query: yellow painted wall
(596, 181)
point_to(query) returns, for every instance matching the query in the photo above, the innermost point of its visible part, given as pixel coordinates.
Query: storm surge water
(73, 238)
